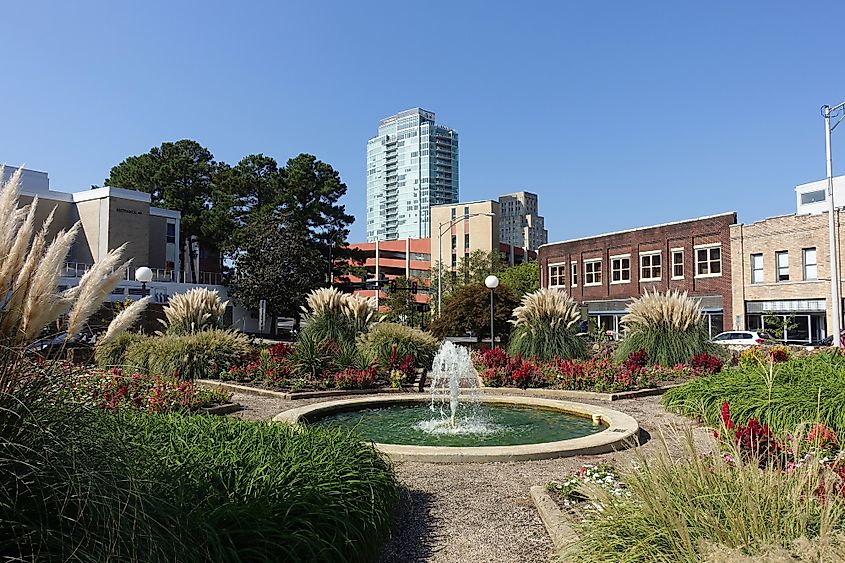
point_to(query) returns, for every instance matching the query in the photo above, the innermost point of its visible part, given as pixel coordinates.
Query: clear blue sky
(617, 114)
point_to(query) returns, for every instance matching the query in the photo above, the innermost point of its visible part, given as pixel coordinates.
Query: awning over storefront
(787, 306)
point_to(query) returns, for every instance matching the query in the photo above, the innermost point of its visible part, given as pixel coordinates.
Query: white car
(742, 338)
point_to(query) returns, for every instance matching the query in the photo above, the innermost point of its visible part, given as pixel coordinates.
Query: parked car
(743, 338)
(829, 340)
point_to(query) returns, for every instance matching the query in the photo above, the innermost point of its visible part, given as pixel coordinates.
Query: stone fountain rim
(622, 431)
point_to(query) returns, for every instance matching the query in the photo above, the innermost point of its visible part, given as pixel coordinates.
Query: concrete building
(811, 198)
(781, 267)
(606, 272)
(412, 164)
(479, 231)
(520, 223)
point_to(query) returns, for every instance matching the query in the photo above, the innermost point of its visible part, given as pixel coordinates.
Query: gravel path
(482, 512)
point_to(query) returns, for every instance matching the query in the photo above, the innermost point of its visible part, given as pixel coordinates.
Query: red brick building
(605, 272)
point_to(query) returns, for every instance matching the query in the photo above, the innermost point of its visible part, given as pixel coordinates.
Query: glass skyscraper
(412, 164)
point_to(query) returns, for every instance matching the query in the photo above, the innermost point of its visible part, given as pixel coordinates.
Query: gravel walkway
(482, 512)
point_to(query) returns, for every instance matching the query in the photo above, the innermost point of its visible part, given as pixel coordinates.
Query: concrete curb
(555, 520)
(621, 432)
(220, 410)
(510, 391)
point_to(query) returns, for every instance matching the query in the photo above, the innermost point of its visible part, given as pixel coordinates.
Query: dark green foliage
(262, 491)
(87, 485)
(65, 494)
(543, 342)
(667, 345)
(383, 338)
(468, 310)
(802, 390)
(310, 355)
(191, 356)
(277, 263)
(522, 278)
(112, 353)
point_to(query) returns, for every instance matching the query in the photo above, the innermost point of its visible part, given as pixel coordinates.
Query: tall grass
(785, 395)
(668, 326)
(189, 356)
(265, 491)
(544, 327)
(195, 310)
(383, 338)
(678, 509)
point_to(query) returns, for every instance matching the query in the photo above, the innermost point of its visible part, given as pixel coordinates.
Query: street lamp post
(492, 282)
(145, 276)
(440, 233)
(836, 304)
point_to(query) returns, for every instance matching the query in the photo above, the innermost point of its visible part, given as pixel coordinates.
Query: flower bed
(275, 368)
(114, 390)
(755, 494)
(601, 374)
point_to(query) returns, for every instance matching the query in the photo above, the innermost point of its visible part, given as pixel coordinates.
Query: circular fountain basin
(563, 428)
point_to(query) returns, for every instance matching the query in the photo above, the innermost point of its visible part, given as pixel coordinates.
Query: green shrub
(668, 326)
(88, 485)
(265, 491)
(680, 509)
(190, 356)
(383, 338)
(113, 352)
(545, 327)
(468, 310)
(783, 395)
(311, 355)
(66, 494)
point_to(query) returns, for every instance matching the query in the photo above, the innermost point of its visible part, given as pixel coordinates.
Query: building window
(782, 265)
(708, 261)
(454, 212)
(454, 260)
(651, 266)
(811, 271)
(756, 268)
(620, 269)
(574, 274)
(592, 272)
(557, 275)
(171, 232)
(466, 211)
(466, 240)
(454, 242)
(677, 264)
(812, 197)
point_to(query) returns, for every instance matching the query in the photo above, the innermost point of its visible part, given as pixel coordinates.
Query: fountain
(475, 426)
(451, 371)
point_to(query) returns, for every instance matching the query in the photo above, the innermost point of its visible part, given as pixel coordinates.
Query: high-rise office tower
(412, 164)
(520, 223)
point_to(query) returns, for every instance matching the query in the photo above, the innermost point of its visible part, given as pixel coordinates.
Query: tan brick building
(781, 266)
(606, 272)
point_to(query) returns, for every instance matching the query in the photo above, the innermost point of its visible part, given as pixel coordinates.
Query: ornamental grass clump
(390, 340)
(195, 310)
(332, 315)
(668, 326)
(682, 508)
(544, 327)
(782, 395)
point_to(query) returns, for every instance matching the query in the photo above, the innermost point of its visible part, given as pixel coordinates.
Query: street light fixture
(836, 303)
(145, 276)
(492, 282)
(440, 234)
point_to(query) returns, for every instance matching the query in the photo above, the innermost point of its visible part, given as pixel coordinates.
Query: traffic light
(414, 288)
(392, 285)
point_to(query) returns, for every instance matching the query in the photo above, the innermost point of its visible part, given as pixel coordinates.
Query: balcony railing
(160, 275)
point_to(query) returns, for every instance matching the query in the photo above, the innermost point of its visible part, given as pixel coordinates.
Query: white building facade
(412, 164)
